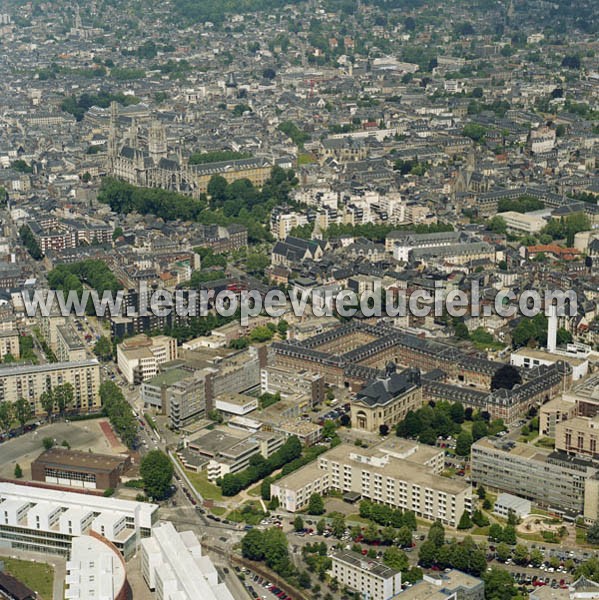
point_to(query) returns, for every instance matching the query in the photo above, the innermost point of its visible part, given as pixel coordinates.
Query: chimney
(552, 329)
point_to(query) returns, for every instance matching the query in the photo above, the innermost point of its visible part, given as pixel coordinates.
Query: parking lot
(258, 587)
(80, 435)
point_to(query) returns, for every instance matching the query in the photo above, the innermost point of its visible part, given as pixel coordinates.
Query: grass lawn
(529, 437)
(539, 511)
(305, 158)
(545, 442)
(38, 576)
(448, 472)
(481, 530)
(357, 519)
(200, 482)
(256, 491)
(219, 511)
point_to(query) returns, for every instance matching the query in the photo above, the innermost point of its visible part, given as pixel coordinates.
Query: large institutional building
(550, 478)
(138, 357)
(398, 473)
(150, 164)
(354, 354)
(30, 381)
(44, 520)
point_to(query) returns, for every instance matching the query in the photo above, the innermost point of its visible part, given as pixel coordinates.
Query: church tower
(157, 141)
(112, 141)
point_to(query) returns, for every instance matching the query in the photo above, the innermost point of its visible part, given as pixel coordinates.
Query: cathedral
(142, 158)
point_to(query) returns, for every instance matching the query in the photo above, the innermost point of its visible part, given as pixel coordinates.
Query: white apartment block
(371, 578)
(45, 520)
(174, 567)
(138, 357)
(395, 477)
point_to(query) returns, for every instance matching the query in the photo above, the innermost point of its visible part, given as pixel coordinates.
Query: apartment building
(173, 565)
(69, 347)
(29, 381)
(553, 412)
(138, 357)
(549, 478)
(45, 520)
(9, 344)
(371, 578)
(405, 476)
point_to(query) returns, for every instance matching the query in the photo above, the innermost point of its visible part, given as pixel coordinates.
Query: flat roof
(77, 459)
(374, 567)
(8, 370)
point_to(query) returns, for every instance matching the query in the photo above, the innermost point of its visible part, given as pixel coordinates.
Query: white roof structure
(95, 570)
(177, 567)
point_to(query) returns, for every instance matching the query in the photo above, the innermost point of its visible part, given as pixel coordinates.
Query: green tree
(64, 395)
(22, 411)
(156, 470)
(427, 554)
(465, 521)
(499, 584)
(6, 416)
(536, 557)
(338, 525)
(103, 348)
(303, 580)
(18, 471)
(436, 534)
(315, 505)
(47, 402)
(48, 442)
(396, 559)
(404, 537)
(497, 224)
(320, 526)
(463, 444)
(503, 551)
(252, 545)
(298, 523)
(521, 554)
(593, 533)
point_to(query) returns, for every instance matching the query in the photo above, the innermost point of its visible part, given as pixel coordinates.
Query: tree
(495, 532)
(47, 402)
(298, 523)
(436, 534)
(505, 377)
(48, 442)
(474, 131)
(499, 584)
(103, 348)
(463, 443)
(338, 525)
(457, 412)
(503, 551)
(156, 470)
(497, 224)
(63, 395)
(479, 430)
(315, 505)
(509, 535)
(481, 492)
(396, 559)
(320, 526)
(536, 557)
(18, 471)
(252, 545)
(303, 580)
(461, 331)
(427, 554)
(465, 521)
(384, 429)
(593, 533)
(22, 411)
(6, 416)
(217, 188)
(404, 537)
(521, 554)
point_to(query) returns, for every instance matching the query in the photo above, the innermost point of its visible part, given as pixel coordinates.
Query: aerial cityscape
(299, 301)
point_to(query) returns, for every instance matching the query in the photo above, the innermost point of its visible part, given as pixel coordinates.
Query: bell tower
(157, 141)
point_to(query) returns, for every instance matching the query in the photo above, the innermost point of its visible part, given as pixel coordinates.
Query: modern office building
(405, 476)
(96, 570)
(30, 381)
(138, 357)
(175, 568)
(370, 578)
(46, 520)
(452, 585)
(549, 478)
(507, 503)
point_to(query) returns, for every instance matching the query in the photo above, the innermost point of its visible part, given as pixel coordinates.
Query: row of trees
(19, 411)
(94, 273)
(387, 516)
(465, 556)
(30, 242)
(260, 467)
(57, 399)
(119, 412)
